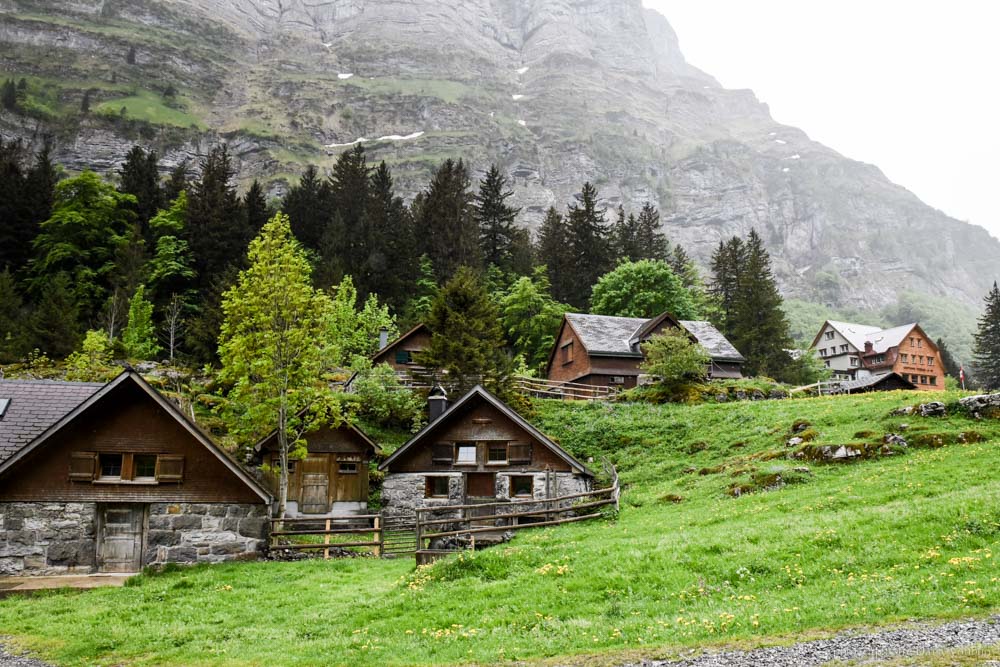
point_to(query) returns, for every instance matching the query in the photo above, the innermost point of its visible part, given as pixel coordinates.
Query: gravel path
(907, 641)
(18, 660)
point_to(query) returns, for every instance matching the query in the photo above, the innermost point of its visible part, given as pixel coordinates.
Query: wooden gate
(119, 539)
(315, 486)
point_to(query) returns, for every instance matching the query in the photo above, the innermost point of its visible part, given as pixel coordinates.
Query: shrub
(673, 358)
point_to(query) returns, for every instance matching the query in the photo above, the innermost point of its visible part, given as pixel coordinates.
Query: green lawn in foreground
(907, 536)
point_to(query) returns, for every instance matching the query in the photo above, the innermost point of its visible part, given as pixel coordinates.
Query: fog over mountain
(557, 92)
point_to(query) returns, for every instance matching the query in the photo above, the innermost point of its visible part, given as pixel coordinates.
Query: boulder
(906, 410)
(895, 440)
(983, 405)
(794, 442)
(932, 409)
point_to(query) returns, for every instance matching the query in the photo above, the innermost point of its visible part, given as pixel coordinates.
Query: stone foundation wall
(47, 538)
(403, 492)
(204, 533)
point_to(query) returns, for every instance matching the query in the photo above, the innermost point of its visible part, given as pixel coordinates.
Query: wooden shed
(332, 480)
(114, 477)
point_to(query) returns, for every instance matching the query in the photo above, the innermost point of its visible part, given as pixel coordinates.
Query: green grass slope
(910, 535)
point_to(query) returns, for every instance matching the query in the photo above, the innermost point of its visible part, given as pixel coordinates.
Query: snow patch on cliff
(345, 75)
(387, 137)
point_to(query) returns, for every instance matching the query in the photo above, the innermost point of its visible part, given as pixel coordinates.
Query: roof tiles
(35, 405)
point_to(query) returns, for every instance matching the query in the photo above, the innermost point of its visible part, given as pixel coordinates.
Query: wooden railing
(506, 516)
(825, 388)
(543, 388)
(332, 526)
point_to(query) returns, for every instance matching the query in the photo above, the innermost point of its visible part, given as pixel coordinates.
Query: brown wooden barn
(114, 477)
(332, 480)
(605, 351)
(401, 353)
(478, 449)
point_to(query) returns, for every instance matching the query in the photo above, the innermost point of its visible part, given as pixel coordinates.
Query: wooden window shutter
(442, 453)
(519, 452)
(169, 468)
(82, 466)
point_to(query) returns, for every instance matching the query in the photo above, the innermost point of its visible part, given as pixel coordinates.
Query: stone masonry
(51, 538)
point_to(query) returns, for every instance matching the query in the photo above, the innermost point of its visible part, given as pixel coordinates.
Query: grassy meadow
(807, 548)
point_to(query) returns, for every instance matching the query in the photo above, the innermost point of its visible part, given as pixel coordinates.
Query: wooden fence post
(326, 540)
(379, 536)
(418, 530)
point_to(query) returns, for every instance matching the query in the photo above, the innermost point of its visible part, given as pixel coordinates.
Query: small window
(828, 364)
(171, 468)
(920, 342)
(829, 335)
(347, 468)
(291, 465)
(111, 466)
(617, 379)
(843, 348)
(854, 361)
(934, 379)
(930, 361)
(567, 353)
(404, 357)
(923, 379)
(144, 466)
(911, 342)
(442, 453)
(522, 486)
(519, 452)
(465, 454)
(4, 404)
(497, 453)
(436, 487)
(903, 357)
(822, 352)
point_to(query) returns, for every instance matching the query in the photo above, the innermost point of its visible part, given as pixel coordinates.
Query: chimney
(869, 347)
(437, 403)
(383, 338)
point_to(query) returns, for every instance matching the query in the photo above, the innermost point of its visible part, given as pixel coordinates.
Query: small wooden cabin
(869, 383)
(332, 480)
(114, 477)
(478, 450)
(401, 353)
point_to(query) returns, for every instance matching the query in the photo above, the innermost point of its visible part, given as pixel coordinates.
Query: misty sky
(910, 86)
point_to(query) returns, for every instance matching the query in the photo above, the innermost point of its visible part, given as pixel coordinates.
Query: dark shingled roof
(35, 405)
(872, 382)
(710, 338)
(615, 336)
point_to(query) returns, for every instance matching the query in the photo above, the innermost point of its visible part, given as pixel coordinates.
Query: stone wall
(47, 538)
(403, 492)
(61, 538)
(204, 533)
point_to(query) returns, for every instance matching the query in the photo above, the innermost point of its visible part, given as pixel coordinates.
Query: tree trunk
(283, 455)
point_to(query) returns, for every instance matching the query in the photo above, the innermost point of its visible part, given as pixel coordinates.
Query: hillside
(557, 93)
(911, 535)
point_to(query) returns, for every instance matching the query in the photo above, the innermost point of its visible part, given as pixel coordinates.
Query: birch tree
(272, 348)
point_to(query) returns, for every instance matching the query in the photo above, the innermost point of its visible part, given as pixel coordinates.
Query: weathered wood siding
(415, 343)
(125, 421)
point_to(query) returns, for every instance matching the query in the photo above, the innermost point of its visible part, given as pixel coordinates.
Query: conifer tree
(390, 266)
(308, 206)
(139, 336)
(177, 182)
(343, 245)
(624, 237)
(531, 318)
(495, 218)
(424, 294)
(13, 333)
(216, 224)
(55, 326)
(446, 229)
(140, 177)
(650, 238)
(554, 254)
(8, 95)
(948, 363)
(467, 340)
(589, 246)
(15, 218)
(255, 209)
(986, 350)
(759, 325)
(40, 186)
(728, 263)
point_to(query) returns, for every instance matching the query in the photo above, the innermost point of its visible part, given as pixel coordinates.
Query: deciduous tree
(645, 288)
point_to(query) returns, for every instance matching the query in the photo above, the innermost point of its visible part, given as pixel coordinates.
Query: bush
(380, 397)
(673, 358)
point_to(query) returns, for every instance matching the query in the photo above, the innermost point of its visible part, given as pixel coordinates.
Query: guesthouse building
(857, 351)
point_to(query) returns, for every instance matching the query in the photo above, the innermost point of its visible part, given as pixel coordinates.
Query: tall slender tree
(728, 264)
(495, 218)
(446, 229)
(308, 206)
(216, 224)
(986, 351)
(255, 209)
(589, 246)
(555, 255)
(13, 332)
(649, 236)
(344, 243)
(390, 266)
(139, 176)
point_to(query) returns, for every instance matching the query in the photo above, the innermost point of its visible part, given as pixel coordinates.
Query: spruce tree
(255, 210)
(13, 333)
(422, 295)
(650, 239)
(8, 95)
(55, 325)
(589, 246)
(446, 229)
(759, 325)
(15, 218)
(343, 244)
(467, 340)
(554, 253)
(390, 266)
(495, 218)
(624, 239)
(948, 363)
(986, 351)
(215, 224)
(728, 263)
(307, 205)
(140, 177)
(177, 182)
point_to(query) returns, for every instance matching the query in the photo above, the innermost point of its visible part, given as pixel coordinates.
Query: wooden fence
(501, 517)
(542, 388)
(341, 527)
(825, 388)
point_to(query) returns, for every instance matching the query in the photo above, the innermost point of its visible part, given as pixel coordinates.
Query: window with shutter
(170, 468)
(442, 453)
(81, 466)
(519, 452)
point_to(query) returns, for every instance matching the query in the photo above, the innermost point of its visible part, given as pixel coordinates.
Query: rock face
(556, 92)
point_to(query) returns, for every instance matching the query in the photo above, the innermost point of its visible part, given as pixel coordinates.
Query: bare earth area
(852, 647)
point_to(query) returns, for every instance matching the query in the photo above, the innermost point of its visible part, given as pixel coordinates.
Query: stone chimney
(383, 338)
(437, 403)
(869, 347)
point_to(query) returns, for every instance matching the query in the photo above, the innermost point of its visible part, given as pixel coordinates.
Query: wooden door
(480, 485)
(315, 493)
(350, 478)
(119, 539)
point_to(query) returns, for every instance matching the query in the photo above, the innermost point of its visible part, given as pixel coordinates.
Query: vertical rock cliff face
(557, 92)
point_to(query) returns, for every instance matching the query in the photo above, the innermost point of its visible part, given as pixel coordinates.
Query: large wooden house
(478, 450)
(113, 477)
(605, 351)
(857, 351)
(332, 480)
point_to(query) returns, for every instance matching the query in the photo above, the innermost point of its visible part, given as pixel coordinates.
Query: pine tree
(216, 223)
(140, 177)
(589, 247)
(390, 267)
(13, 333)
(624, 237)
(308, 206)
(650, 238)
(728, 263)
(177, 182)
(986, 351)
(15, 218)
(344, 242)
(139, 336)
(255, 209)
(446, 229)
(55, 326)
(948, 363)
(554, 253)
(467, 340)
(423, 295)
(495, 218)
(759, 325)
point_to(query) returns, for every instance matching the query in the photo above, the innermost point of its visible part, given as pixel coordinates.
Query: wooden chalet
(606, 351)
(864, 385)
(478, 450)
(332, 480)
(857, 351)
(401, 354)
(113, 477)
